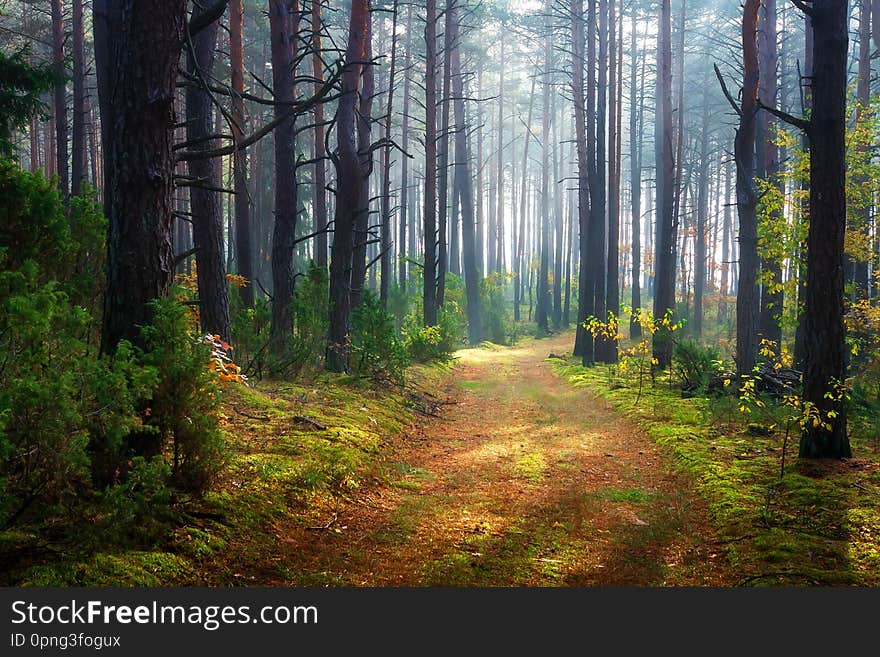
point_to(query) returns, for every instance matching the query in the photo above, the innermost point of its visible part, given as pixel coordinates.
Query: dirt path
(523, 481)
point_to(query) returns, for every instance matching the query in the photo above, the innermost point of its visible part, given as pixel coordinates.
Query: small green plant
(184, 407)
(696, 364)
(376, 349)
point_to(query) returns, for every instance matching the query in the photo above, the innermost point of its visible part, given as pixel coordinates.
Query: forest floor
(521, 479)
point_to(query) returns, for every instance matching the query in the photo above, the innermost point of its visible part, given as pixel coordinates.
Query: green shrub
(695, 364)
(430, 343)
(139, 506)
(495, 309)
(184, 407)
(376, 350)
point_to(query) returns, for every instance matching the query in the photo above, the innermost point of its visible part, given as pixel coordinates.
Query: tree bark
(636, 126)
(281, 27)
(386, 234)
(403, 251)
(429, 214)
(78, 145)
(462, 161)
(319, 186)
(205, 207)
(137, 47)
(350, 201)
(665, 239)
(59, 98)
(824, 329)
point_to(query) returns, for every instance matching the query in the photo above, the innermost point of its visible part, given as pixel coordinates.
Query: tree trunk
(443, 154)
(386, 235)
(462, 160)
(403, 251)
(205, 208)
(350, 201)
(59, 99)
(582, 338)
(665, 240)
(78, 146)
(429, 215)
(243, 230)
(636, 126)
(284, 231)
(824, 329)
(137, 47)
(543, 300)
(769, 327)
(702, 217)
(862, 223)
(747, 303)
(612, 284)
(599, 188)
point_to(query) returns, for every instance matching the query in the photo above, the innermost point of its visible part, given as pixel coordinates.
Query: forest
(439, 293)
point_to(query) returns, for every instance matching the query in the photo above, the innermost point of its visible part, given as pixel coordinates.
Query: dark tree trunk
(599, 187)
(59, 100)
(443, 155)
(862, 223)
(747, 303)
(583, 168)
(403, 252)
(78, 146)
(319, 184)
(523, 211)
(462, 161)
(362, 232)
(499, 219)
(702, 218)
(243, 230)
(665, 240)
(349, 190)
(636, 127)
(543, 297)
(800, 346)
(137, 48)
(281, 24)
(612, 282)
(824, 330)
(769, 327)
(386, 234)
(207, 217)
(429, 215)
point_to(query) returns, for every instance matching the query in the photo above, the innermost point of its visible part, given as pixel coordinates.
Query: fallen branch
(302, 419)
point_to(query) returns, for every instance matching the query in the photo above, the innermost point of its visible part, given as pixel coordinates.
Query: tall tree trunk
(350, 201)
(612, 284)
(543, 300)
(429, 215)
(243, 230)
(523, 210)
(800, 341)
(78, 146)
(362, 232)
(665, 238)
(462, 160)
(59, 99)
(636, 126)
(499, 219)
(281, 25)
(769, 327)
(386, 235)
(205, 208)
(403, 251)
(443, 154)
(319, 186)
(702, 217)
(824, 329)
(583, 340)
(599, 187)
(137, 47)
(747, 303)
(863, 214)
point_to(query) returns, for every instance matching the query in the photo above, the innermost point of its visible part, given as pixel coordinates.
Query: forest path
(523, 480)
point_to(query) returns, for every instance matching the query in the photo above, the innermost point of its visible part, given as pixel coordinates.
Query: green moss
(816, 524)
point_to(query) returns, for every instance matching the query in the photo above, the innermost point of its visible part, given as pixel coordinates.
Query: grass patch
(817, 524)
